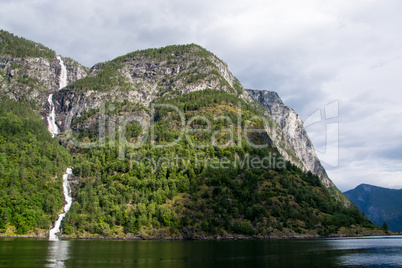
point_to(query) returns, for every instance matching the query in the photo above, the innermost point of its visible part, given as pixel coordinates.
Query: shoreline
(212, 238)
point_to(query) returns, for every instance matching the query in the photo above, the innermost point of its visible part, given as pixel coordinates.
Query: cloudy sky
(337, 63)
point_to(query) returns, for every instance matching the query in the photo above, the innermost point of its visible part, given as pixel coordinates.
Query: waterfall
(69, 200)
(52, 127)
(51, 119)
(63, 74)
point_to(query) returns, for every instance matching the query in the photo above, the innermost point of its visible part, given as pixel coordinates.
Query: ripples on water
(58, 253)
(336, 252)
(370, 252)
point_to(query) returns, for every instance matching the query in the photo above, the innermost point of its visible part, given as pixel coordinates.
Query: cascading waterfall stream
(69, 200)
(52, 127)
(63, 74)
(51, 119)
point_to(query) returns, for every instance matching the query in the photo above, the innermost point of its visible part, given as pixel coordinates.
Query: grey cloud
(393, 152)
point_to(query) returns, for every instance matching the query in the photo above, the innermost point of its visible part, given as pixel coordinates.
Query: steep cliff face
(292, 126)
(173, 70)
(31, 71)
(75, 71)
(28, 78)
(296, 146)
(34, 77)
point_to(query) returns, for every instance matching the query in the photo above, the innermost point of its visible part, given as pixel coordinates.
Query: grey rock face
(28, 78)
(43, 72)
(35, 78)
(146, 79)
(152, 79)
(292, 126)
(74, 70)
(71, 105)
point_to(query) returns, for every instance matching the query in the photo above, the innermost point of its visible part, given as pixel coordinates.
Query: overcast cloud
(311, 52)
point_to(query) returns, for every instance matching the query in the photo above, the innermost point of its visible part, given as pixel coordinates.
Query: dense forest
(31, 165)
(20, 47)
(187, 191)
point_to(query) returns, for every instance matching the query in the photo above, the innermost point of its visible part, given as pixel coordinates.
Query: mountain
(30, 71)
(166, 143)
(293, 127)
(380, 205)
(154, 75)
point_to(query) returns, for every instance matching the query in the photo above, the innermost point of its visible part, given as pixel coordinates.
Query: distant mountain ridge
(379, 204)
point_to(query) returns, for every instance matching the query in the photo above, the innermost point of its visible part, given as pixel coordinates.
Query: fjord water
(331, 252)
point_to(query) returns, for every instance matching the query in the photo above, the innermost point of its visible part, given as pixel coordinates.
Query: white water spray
(69, 200)
(51, 119)
(52, 127)
(63, 74)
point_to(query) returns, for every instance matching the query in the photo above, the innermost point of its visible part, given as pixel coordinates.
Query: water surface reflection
(368, 251)
(58, 253)
(330, 252)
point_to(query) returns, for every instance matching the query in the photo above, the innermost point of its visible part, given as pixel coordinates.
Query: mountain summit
(164, 143)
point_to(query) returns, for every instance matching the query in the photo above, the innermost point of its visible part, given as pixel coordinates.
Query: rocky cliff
(35, 78)
(292, 126)
(30, 71)
(139, 78)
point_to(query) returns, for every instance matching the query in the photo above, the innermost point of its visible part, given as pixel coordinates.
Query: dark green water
(338, 252)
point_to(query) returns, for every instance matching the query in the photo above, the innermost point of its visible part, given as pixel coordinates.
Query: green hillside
(30, 162)
(20, 47)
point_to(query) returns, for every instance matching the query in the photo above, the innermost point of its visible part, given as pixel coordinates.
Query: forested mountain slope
(31, 165)
(167, 143)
